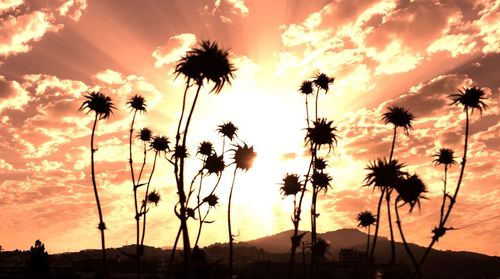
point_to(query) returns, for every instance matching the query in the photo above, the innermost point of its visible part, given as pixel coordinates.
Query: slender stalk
(134, 188)
(454, 198)
(180, 189)
(296, 219)
(199, 213)
(144, 207)
(368, 241)
(99, 211)
(407, 247)
(229, 224)
(444, 193)
(389, 219)
(172, 255)
(375, 235)
(307, 113)
(316, 103)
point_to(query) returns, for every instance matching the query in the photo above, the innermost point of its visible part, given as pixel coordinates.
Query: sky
(381, 53)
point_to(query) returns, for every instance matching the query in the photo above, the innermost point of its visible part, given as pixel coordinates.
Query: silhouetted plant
(410, 190)
(399, 117)
(102, 106)
(159, 144)
(204, 63)
(136, 104)
(365, 220)
(470, 98)
(243, 158)
(383, 174)
(444, 157)
(319, 133)
(320, 248)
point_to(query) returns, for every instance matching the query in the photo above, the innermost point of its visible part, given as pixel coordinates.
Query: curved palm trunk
(407, 247)
(375, 235)
(199, 213)
(229, 224)
(144, 207)
(101, 222)
(454, 198)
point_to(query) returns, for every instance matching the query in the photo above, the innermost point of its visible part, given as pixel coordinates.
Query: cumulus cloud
(20, 26)
(173, 50)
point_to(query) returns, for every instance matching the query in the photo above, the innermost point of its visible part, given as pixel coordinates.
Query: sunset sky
(409, 53)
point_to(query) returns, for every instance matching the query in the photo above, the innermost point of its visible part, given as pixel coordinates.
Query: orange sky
(411, 53)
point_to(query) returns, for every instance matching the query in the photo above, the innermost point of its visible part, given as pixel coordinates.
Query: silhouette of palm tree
(291, 185)
(243, 159)
(136, 104)
(365, 220)
(383, 174)
(398, 117)
(306, 88)
(206, 62)
(227, 130)
(103, 107)
(444, 157)
(470, 98)
(410, 190)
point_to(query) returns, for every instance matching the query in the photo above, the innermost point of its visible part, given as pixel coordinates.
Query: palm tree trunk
(199, 213)
(101, 226)
(229, 224)
(144, 207)
(454, 198)
(407, 247)
(375, 235)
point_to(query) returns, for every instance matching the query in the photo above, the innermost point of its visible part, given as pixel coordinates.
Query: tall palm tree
(383, 174)
(136, 104)
(402, 118)
(410, 189)
(103, 107)
(365, 220)
(444, 157)
(243, 160)
(470, 98)
(204, 63)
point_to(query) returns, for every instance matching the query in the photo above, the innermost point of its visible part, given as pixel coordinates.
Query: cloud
(173, 50)
(20, 26)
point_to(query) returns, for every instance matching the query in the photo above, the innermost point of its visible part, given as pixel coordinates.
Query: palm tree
(243, 160)
(398, 117)
(103, 107)
(410, 190)
(322, 133)
(209, 63)
(136, 104)
(470, 98)
(444, 157)
(365, 220)
(383, 174)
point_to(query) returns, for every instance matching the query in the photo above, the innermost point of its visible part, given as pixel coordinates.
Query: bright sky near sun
(409, 53)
